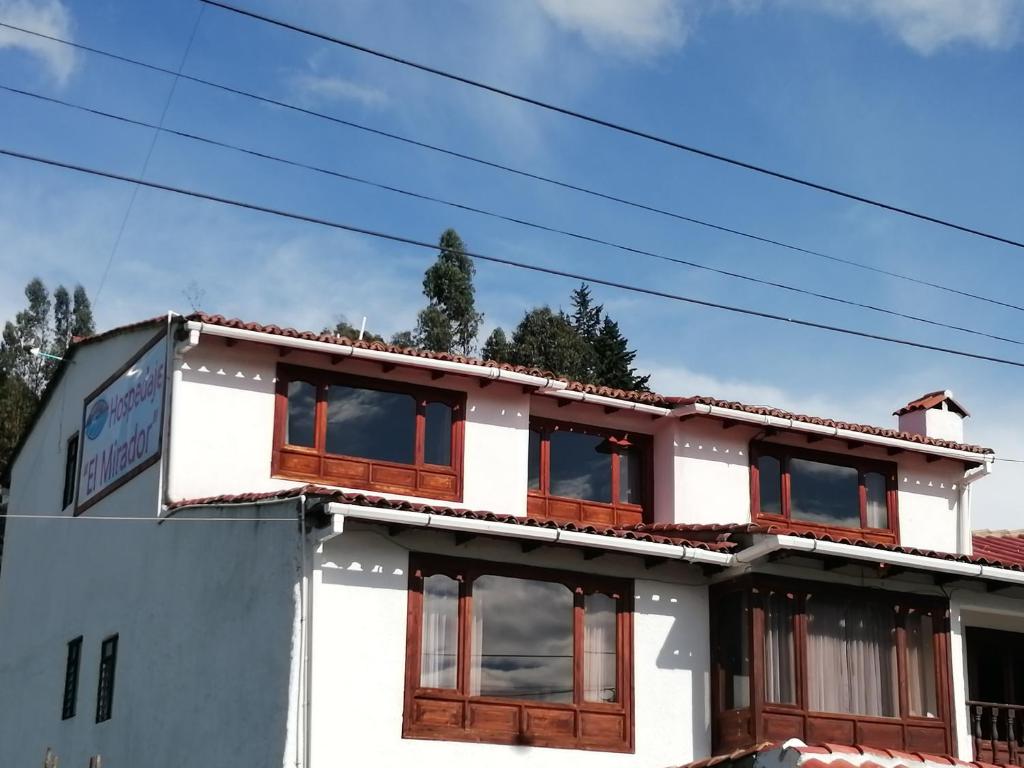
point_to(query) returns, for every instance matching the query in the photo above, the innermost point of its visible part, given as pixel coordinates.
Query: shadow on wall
(497, 413)
(374, 569)
(228, 374)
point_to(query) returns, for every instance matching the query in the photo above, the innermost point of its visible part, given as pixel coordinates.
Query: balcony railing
(998, 731)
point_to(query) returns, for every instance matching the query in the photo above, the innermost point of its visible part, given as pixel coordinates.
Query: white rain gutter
(340, 512)
(175, 446)
(764, 420)
(607, 402)
(773, 544)
(394, 358)
(965, 538)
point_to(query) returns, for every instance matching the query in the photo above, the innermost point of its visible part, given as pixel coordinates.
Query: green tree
(613, 360)
(586, 320)
(450, 321)
(403, 339)
(548, 340)
(497, 347)
(344, 328)
(72, 318)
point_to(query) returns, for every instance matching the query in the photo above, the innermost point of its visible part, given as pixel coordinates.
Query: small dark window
(70, 471)
(437, 440)
(301, 414)
(734, 652)
(769, 470)
(105, 689)
(533, 479)
(71, 678)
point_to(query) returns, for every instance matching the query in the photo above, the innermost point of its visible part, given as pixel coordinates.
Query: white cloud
(928, 25)
(49, 18)
(334, 88)
(637, 27)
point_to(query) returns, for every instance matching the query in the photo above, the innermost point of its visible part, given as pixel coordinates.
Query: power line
(605, 123)
(519, 172)
(503, 217)
(509, 262)
(145, 163)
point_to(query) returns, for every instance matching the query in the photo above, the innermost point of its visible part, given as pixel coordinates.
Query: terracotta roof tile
(764, 410)
(358, 499)
(931, 400)
(1002, 546)
(824, 755)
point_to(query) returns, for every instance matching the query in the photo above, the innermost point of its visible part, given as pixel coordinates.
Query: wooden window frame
(72, 669)
(784, 453)
(70, 477)
(433, 481)
(540, 503)
(455, 715)
(769, 721)
(105, 684)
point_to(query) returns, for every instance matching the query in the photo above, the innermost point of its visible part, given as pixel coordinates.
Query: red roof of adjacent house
(765, 410)
(796, 754)
(1005, 546)
(362, 500)
(1003, 555)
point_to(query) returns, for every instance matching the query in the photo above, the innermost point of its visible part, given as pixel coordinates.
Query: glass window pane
(851, 657)
(734, 643)
(581, 466)
(878, 509)
(439, 642)
(522, 639)
(921, 666)
(769, 473)
(437, 440)
(371, 424)
(533, 478)
(824, 493)
(300, 429)
(779, 653)
(599, 643)
(631, 476)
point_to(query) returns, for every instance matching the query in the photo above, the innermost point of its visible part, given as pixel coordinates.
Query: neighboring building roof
(358, 499)
(765, 410)
(77, 342)
(1009, 556)
(1005, 546)
(795, 754)
(933, 400)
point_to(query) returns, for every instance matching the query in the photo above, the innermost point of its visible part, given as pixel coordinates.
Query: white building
(236, 544)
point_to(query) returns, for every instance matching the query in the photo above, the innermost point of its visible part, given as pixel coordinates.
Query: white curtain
(779, 660)
(599, 639)
(851, 658)
(877, 506)
(921, 666)
(440, 637)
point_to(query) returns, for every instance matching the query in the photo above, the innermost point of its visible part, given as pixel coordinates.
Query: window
(105, 689)
(368, 434)
(514, 655)
(816, 491)
(70, 471)
(832, 659)
(74, 661)
(587, 474)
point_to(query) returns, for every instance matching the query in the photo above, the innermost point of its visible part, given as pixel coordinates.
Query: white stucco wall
(359, 621)
(204, 611)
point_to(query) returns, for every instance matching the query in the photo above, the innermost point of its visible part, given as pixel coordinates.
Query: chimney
(936, 415)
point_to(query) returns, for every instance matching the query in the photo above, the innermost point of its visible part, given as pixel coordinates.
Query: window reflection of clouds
(580, 466)
(437, 438)
(440, 632)
(522, 639)
(824, 493)
(371, 424)
(301, 411)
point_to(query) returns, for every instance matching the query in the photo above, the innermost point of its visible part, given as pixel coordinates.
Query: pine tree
(548, 340)
(614, 359)
(450, 321)
(497, 347)
(586, 320)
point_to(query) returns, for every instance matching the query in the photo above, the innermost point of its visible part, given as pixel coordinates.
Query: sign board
(122, 424)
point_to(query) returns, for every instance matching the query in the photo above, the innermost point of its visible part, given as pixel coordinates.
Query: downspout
(965, 540)
(174, 446)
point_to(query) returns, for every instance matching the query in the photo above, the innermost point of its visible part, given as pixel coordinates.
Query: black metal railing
(998, 731)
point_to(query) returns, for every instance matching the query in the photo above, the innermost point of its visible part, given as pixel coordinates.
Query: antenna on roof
(362, 328)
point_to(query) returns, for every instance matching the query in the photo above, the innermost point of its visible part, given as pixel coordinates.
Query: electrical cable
(605, 123)
(510, 262)
(503, 217)
(519, 172)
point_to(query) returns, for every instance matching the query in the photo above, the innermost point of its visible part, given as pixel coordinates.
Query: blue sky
(918, 103)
